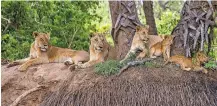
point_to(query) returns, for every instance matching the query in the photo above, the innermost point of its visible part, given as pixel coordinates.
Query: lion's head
(201, 57)
(142, 33)
(168, 40)
(98, 41)
(42, 40)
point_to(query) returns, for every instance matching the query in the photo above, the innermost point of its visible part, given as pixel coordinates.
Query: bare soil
(137, 86)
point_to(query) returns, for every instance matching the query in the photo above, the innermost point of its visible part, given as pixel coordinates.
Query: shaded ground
(139, 86)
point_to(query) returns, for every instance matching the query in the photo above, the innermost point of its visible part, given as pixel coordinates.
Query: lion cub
(42, 52)
(100, 51)
(142, 42)
(188, 64)
(162, 47)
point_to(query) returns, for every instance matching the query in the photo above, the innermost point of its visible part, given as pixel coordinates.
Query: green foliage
(213, 52)
(152, 64)
(105, 24)
(69, 23)
(211, 65)
(149, 64)
(109, 67)
(168, 21)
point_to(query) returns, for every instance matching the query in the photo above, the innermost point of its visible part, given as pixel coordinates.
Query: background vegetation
(70, 23)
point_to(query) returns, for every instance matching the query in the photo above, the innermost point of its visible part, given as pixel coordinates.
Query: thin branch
(9, 23)
(163, 5)
(8, 20)
(72, 37)
(37, 21)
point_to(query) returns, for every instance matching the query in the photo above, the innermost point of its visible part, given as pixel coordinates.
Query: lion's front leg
(199, 68)
(142, 54)
(89, 63)
(18, 62)
(166, 53)
(31, 62)
(151, 53)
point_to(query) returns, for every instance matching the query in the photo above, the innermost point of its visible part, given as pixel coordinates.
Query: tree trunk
(192, 30)
(149, 16)
(124, 21)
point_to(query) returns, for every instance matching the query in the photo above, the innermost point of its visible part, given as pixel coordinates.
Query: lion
(162, 47)
(188, 64)
(99, 49)
(42, 52)
(142, 42)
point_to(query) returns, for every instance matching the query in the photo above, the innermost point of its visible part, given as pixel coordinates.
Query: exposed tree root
(133, 63)
(15, 103)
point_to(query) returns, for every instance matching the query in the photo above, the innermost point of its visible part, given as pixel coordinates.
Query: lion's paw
(22, 69)
(72, 67)
(12, 64)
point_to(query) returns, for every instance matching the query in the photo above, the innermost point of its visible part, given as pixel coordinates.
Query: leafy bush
(211, 65)
(109, 67)
(168, 21)
(213, 52)
(69, 23)
(152, 64)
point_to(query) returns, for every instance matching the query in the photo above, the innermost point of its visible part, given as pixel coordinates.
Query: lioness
(142, 42)
(100, 51)
(42, 52)
(162, 47)
(188, 64)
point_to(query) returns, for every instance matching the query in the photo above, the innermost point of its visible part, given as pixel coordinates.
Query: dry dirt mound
(140, 87)
(136, 86)
(15, 83)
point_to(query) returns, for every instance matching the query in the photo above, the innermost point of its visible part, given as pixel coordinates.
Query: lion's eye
(96, 40)
(41, 39)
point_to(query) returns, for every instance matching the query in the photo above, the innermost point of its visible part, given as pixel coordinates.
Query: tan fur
(100, 50)
(188, 64)
(162, 47)
(42, 52)
(142, 42)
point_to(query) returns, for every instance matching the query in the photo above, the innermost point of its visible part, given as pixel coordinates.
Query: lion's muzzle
(44, 48)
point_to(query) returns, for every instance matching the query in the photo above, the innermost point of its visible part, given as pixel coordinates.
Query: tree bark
(124, 21)
(149, 16)
(191, 33)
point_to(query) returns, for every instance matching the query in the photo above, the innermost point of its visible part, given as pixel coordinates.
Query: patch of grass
(108, 68)
(152, 64)
(211, 65)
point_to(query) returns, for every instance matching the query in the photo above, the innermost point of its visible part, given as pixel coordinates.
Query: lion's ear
(165, 37)
(138, 28)
(48, 35)
(198, 53)
(35, 34)
(92, 35)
